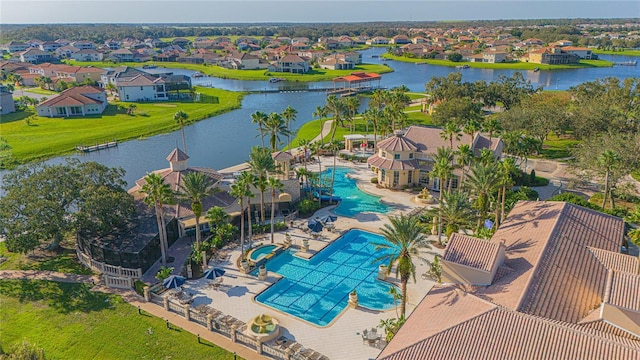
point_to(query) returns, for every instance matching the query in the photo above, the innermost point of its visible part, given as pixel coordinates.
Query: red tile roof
(358, 77)
(472, 252)
(616, 261)
(623, 290)
(177, 155)
(390, 164)
(74, 96)
(397, 143)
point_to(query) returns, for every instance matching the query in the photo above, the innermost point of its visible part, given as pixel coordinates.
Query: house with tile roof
(7, 105)
(142, 87)
(292, 64)
(562, 290)
(406, 158)
(87, 55)
(553, 56)
(76, 101)
(35, 56)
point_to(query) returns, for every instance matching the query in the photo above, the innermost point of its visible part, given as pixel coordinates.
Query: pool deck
(341, 339)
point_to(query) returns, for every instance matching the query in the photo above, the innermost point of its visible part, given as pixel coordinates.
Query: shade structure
(328, 218)
(173, 281)
(315, 225)
(213, 273)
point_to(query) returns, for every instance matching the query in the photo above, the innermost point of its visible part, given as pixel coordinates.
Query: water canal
(225, 140)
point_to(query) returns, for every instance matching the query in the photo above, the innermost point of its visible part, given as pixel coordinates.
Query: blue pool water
(317, 290)
(260, 252)
(354, 200)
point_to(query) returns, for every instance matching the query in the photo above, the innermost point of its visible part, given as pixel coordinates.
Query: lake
(225, 140)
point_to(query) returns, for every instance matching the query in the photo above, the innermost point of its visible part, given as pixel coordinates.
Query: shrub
(163, 273)
(374, 180)
(532, 176)
(307, 206)
(139, 287)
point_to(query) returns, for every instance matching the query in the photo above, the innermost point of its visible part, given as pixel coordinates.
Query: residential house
(121, 55)
(246, 61)
(494, 57)
(334, 62)
(14, 46)
(581, 52)
(155, 42)
(419, 40)
(7, 105)
(345, 41)
(352, 56)
(66, 51)
(84, 44)
(79, 74)
(406, 158)
(400, 39)
(551, 283)
(533, 41)
(562, 43)
(76, 101)
(112, 44)
(291, 64)
(87, 55)
(328, 43)
(552, 55)
(141, 87)
(35, 56)
(120, 72)
(182, 42)
(378, 40)
(50, 46)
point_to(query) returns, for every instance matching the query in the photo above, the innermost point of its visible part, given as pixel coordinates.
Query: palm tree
(352, 104)
(483, 181)
(316, 148)
(608, 161)
(289, 115)
(111, 87)
(378, 99)
(181, 117)
(321, 112)
(305, 145)
(275, 126)
(373, 115)
(450, 131)
(195, 187)
(492, 126)
(247, 180)
(261, 163)
(216, 216)
(335, 147)
(240, 191)
(442, 170)
(508, 168)
(335, 106)
(456, 211)
(260, 119)
(405, 242)
(158, 193)
(465, 158)
(471, 128)
(275, 185)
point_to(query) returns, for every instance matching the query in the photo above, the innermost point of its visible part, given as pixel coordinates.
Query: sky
(303, 11)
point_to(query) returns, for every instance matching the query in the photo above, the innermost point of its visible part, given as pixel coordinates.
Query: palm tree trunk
(163, 250)
(198, 235)
(184, 142)
(333, 176)
(262, 207)
(497, 208)
(606, 189)
(375, 136)
(273, 212)
(321, 135)
(403, 289)
(440, 216)
(241, 230)
(261, 135)
(249, 219)
(504, 199)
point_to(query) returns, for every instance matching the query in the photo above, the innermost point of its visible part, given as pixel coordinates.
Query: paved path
(180, 251)
(48, 275)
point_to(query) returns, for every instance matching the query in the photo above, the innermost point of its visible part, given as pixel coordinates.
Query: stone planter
(382, 272)
(244, 266)
(353, 299)
(262, 273)
(287, 240)
(305, 244)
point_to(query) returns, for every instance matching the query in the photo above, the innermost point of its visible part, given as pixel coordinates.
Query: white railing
(273, 351)
(106, 268)
(176, 308)
(156, 299)
(197, 317)
(246, 340)
(118, 282)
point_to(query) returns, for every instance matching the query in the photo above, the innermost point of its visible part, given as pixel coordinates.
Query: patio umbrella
(328, 218)
(173, 281)
(213, 273)
(315, 225)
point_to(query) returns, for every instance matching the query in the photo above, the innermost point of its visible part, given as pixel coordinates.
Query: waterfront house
(581, 52)
(378, 40)
(291, 64)
(400, 40)
(551, 283)
(76, 101)
(7, 105)
(406, 158)
(493, 57)
(553, 56)
(121, 55)
(141, 87)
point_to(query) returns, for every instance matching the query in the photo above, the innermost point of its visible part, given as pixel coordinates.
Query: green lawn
(260, 74)
(514, 65)
(64, 261)
(48, 137)
(69, 321)
(557, 147)
(37, 90)
(627, 52)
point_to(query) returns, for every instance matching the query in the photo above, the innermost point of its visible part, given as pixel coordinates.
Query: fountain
(424, 197)
(264, 328)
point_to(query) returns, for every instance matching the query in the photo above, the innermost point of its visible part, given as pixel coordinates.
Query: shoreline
(583, 64)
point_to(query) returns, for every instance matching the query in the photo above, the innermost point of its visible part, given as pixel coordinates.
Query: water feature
(354, 201)
(225, 140)
(262, 251)
(317, 290)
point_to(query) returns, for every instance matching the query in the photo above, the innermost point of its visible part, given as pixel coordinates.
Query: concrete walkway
(180, 251)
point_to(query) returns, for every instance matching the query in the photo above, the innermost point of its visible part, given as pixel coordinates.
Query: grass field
(47, 137)
(258, 75)
(64, 261)
(69, 321)
(557, 147)
(627, 52)
(512, 66)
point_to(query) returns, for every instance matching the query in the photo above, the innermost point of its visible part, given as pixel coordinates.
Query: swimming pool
(354, 200)
(317, 290)
(261, 252)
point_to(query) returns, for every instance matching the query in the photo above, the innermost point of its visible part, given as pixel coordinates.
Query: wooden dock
(97, 147)
(627, 63)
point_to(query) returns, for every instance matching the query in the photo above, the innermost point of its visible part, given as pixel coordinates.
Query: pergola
(349, 139)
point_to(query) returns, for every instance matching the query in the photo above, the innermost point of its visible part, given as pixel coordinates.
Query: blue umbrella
(213, 273)
(328, 218)
(315, 225)
(173, 281)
